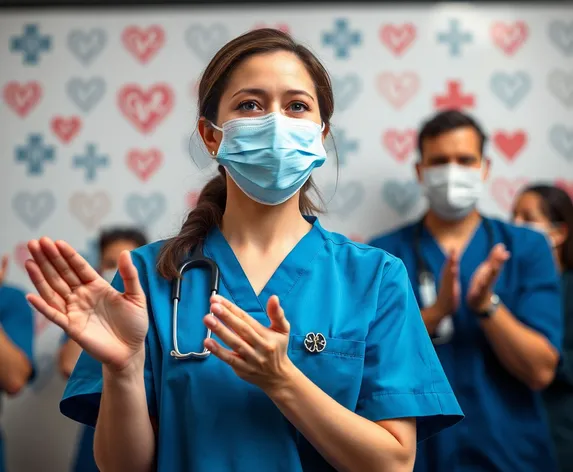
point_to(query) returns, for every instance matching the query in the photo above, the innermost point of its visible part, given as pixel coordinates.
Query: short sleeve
(403, 377)
(539, 303)
(82, 395)
(17, 321)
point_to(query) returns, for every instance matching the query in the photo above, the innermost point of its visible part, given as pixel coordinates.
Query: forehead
(114, 249)
(276, 70)
(455, 142)
(529, 201)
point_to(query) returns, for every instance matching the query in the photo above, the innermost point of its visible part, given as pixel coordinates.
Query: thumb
(130, 277)
(277, 315)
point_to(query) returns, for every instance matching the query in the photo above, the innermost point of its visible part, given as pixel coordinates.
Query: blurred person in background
(16, 341)
(111, 243)
(490, 298)
(337, 373)
(549, 209)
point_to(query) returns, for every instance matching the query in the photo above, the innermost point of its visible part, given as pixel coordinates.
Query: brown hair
(212, 199)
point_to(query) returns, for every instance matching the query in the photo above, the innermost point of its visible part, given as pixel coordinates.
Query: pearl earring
(213, 153)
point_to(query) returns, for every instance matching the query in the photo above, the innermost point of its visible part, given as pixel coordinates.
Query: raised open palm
(109, 325)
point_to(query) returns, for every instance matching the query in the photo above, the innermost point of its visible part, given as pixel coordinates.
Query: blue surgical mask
(271, 157)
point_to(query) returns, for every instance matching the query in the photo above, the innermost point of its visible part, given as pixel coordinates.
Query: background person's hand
(449, 293)
(258, 354)
(109, 325)
(3, 268)
(484, 278)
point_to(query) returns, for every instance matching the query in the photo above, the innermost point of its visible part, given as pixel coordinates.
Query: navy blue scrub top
(378, 361)
(505, 426)
(17, 321)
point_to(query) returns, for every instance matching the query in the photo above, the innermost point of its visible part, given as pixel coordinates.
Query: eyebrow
(261, 92)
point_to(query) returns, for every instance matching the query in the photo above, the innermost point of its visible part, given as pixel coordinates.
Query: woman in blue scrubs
(16, 340)
(549, 209)
(320, 359)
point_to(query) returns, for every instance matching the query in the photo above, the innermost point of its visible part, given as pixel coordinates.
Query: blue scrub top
(505, 426)
(378, 361)
(17, 321)
(84, 460)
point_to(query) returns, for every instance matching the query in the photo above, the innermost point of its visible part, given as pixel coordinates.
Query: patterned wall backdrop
(98, 113)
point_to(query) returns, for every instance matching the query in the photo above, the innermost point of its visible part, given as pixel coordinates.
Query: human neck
(248, 222)
(459, 230)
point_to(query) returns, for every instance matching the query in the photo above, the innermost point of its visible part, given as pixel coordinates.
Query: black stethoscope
(427, 282)
(197, 260)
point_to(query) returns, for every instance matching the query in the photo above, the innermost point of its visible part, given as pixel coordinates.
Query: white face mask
(108, 274)
(540, 228)
(452, 190)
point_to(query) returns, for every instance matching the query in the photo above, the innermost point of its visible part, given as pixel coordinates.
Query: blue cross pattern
(31, 44)
(342, 39)
(344, 146)
(455, 38)
(90, 161)
(34, 154)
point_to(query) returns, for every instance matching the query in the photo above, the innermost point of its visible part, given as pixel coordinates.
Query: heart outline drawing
(21, 254)
(509, 38)
(144, 163)
(87, 45)
(145, 210)
(401, 196)
(400, 144)
(510, 144)
(398, 89)
(64, 128)
(344, 197)
(206, 41)
(346, 90)
(143, 43)
(560, 84)
(398, 38)
(561, 36)
(561, 138)
(505, 190)
(34, 208)
(511, 89)
(145, 109)
(22, 98)
(86, 94)
(90, 209)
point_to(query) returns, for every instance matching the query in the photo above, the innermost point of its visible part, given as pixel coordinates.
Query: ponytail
(207, 214)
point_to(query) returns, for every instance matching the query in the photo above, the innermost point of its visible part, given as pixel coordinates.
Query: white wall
(521, 78)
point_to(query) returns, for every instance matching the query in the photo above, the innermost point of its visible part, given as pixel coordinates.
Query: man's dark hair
(112, 235)
(446, 121)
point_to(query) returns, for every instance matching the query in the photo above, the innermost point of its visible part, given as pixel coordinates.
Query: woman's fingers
(229, 357)
(85, 272)
(237, 344)
(258, 327)
(49, 312)
(51, 275)
(238, 325)
(51, 297)
(128, 272)
(58, 261)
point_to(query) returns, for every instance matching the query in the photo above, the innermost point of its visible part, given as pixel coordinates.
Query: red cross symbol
(454, 99)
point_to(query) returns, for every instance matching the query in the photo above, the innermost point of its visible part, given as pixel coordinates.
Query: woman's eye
(248, 106)
(298, 107)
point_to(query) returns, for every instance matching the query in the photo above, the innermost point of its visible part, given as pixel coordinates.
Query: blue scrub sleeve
(17, 321)
(82, 395)
(539, 303)
(403, 377)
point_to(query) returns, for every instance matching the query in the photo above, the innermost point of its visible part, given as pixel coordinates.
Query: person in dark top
(549, 209)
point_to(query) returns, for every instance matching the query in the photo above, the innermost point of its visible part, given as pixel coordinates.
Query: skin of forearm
(69, 355)
(15, 368)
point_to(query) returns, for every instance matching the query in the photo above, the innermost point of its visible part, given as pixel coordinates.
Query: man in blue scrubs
(111, 243)
(16, 337)
(490, 299)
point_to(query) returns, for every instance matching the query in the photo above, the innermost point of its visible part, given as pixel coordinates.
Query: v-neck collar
(296, 264)
(426, 234)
